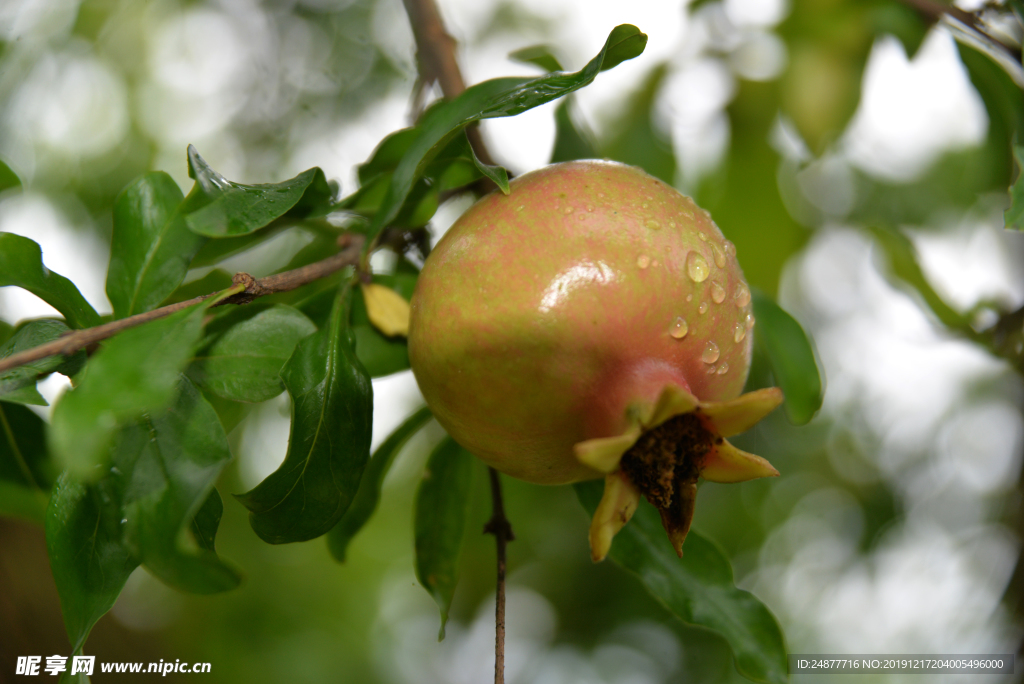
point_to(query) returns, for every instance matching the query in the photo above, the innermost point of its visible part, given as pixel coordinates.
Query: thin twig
(435, 51)
(500, 527)
(352, 246)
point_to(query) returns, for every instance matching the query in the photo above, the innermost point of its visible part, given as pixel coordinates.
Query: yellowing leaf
(387, 310)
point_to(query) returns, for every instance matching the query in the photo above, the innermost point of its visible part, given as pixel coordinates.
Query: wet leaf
(329, 444)
(442, 505)
(244, 350)
(490, 99)
(21, 264)
(162, 472)
(697, 588)
(219, 208)
(791, 358)
(134, 372)
(368, 496)
(151, 246)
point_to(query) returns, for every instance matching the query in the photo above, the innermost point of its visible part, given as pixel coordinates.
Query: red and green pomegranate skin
(558, 313)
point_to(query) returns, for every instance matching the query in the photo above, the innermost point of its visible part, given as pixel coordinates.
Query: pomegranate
(594, 322)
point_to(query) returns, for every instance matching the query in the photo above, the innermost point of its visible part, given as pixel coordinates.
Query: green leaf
(21, 264)
(162, 473)
(206, 521)
(219, 208)
(19, 384)
(134, 372)
(6, 331)
(244, 350)
(1015, 214)
(538, 55)
(902, 21)
(216, 251)
(216, 280)
(8, 179)
(490, 99)
(791, 358)
(329, 444)
(368, 496)
(572, 140)
(382, 355)
(697, 588)
(174, 457)
(151, 246)
(497, 174)
(26, 472)
(442, 505)
(637, 141)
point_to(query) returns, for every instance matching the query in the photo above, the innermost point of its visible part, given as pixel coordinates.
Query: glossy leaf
(244, 350)
(134, 372)
(1015, 214)
(329, 444)
(19, 384)
(162, 473)
(382, 355)
(26, 473)
(791, 358)
(697, 588)
(220, 208)
(171, 459)
(490, 99)
(151, 246)
(442, 505)
(21, 264)
(368, 496)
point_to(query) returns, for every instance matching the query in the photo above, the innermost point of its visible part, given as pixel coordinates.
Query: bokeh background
(802, 125)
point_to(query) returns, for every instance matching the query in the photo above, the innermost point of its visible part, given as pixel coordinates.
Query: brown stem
(352, 246)
(500, 527)
(435, 51)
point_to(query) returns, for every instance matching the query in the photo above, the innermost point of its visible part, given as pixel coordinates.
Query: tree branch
(435, 52)
(500, 527)
(352, 247)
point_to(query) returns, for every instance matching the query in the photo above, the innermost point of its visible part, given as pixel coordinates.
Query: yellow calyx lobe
(672, 445)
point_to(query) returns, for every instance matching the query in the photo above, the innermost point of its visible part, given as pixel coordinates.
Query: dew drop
(749, 321)
(703, 308)
(644, 205)
(672, 224)
(723, 369)
(601, 195)
(653, 225)
(581, 217)
(519, 208)
(739, 333)
(696, 267)
(710, 370)
(568, 210)
(689, 297)
(703, 237)
(590, 207)
(729, 248)
(679, 328)
(719, 257)
(654, 263)
(710, 354)
(643, 261)
(742, 295)
(717, 293)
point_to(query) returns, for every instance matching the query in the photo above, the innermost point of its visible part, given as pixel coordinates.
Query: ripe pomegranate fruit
(592, 323)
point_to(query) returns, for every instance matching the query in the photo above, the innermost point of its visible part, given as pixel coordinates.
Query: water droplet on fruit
(654, 263)
(750, 321)
(703, 237)
(710, 354)
(696, 267)
(672, 224)
(689, 297)
(703, 308)
(643, 261)
(723, 369)
(729, 248)
(742, 295)
(644, 205)
(719, 257)
(739, 333)
(710, 370)
(653, 225)
(717, 293)
(679, 328)
(590, 207)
